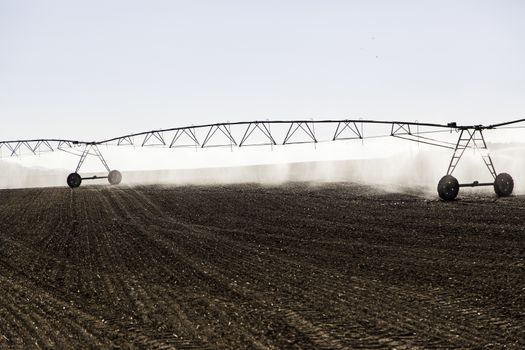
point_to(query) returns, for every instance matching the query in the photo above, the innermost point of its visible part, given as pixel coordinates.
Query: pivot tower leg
(448, 186)
(74, 179)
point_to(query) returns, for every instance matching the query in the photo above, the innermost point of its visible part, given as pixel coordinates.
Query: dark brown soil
(333, 266)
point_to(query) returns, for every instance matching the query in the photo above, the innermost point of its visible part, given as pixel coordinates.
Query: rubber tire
(503, 185)
(114, 177)
(74, 180)
(448, 188)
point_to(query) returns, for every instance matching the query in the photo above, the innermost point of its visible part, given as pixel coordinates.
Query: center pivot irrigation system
(284, 132)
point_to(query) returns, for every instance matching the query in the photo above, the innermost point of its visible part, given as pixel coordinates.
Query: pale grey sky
(93, 69)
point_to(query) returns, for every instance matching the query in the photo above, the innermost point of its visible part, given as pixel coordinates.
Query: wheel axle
(448, 186)
(74, 180)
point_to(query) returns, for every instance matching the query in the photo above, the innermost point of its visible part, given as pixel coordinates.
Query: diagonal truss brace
(189, 132)
(153, 135)
(127, 140)
(308, 130)
(471, 139)
(404, 131)
(224, 128)
(342, 126)
(265, 129)
(92, 150)
(400, 129)
(35, 147)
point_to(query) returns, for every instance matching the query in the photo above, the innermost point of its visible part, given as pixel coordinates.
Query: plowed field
(332, 267)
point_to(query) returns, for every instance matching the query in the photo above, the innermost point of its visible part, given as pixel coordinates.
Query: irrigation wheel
(114, 177)
(74, 180)
(503, 185)
(448, 188)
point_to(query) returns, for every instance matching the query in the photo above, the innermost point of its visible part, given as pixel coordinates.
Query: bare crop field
(332, 266)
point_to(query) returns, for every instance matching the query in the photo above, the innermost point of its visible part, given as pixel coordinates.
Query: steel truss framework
(466, 139)
(283, 132)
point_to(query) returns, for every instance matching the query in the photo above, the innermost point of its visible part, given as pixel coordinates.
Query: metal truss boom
(293, 132)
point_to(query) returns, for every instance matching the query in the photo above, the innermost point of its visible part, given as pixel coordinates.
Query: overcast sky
(93, 69)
